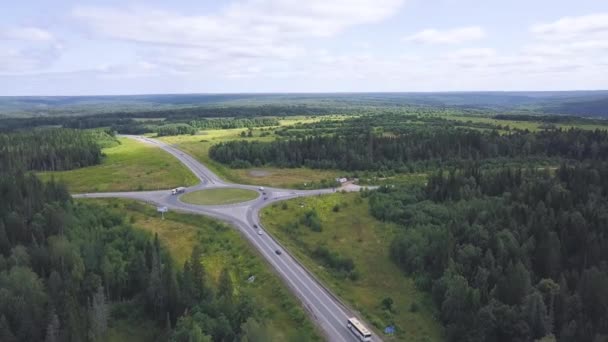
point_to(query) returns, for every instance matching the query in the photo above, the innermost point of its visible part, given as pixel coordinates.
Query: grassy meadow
(351, 232)
(219, 196)
(223, 248)
(131, 165)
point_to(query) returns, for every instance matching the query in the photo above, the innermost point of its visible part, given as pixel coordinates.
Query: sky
(113, 47)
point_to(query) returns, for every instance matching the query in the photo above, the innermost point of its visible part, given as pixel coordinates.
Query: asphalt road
(323, 307)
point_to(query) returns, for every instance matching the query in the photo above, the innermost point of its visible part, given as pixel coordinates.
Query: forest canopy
(510, 254)
(371, 151)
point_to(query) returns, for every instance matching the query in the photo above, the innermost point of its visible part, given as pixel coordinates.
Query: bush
(311, 220)
(336, 262)
(387, 304)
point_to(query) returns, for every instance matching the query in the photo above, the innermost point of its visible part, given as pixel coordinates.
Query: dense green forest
(510, 254)
(51, 149)
(371, 151)
(67, 268)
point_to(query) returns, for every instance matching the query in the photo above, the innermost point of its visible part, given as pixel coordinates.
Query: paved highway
(323, 307)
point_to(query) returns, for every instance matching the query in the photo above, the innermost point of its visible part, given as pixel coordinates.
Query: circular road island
(219, 196)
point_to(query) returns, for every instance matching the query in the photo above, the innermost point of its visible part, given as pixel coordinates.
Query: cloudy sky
(81, 47)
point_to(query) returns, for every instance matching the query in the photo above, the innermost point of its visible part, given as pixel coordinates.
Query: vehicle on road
(278, 251)
(179, 190)
(358, 329)
(255, 226)
(260, 232)
(265, 198)
(261, 188)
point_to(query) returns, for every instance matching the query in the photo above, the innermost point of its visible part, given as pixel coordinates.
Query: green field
(352, 232)
(223, 248)
(131, 165)
(529, 125)
(219, 196)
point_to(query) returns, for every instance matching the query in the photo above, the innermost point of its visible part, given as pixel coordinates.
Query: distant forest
(579, 103)
(126, 122)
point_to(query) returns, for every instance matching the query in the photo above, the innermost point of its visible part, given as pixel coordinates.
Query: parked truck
(179, 190)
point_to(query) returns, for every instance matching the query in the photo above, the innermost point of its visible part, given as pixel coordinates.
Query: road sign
(162, 211)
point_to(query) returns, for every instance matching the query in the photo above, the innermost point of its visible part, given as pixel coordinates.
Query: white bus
(359, 330)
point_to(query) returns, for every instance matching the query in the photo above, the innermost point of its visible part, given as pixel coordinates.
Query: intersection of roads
(325, 309)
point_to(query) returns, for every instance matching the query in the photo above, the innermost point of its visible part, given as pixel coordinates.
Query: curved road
(325, 309)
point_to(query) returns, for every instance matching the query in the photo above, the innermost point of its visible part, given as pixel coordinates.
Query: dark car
(255, 226)
(265, 198)
(278, 251)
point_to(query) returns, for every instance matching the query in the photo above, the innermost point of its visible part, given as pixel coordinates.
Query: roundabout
(219, 196)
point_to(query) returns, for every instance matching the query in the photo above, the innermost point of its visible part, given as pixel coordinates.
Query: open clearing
(223, 247)
(129, 166)
(353, 233)
(219, 196)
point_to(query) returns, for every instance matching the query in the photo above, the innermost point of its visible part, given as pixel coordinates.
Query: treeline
(51, 149)
(234, 123)
(508, 255)
(126, 120)
(174, 129)
(372, 151)
(566, 119)
(193, 126)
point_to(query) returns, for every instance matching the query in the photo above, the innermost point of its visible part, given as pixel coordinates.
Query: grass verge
(349, 232)
(131, 165)
(219, 196)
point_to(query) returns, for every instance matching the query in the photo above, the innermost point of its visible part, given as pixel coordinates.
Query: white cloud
(31, 34)
(25, 49)
(249, 29)
(570, 43)
(17, 60)
(451, 36)
(593, 26)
